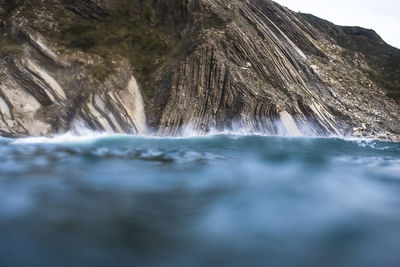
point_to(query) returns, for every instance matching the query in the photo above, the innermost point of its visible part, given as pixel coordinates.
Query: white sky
(383, 16)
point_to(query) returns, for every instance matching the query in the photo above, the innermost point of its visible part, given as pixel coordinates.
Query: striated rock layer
(168, 67)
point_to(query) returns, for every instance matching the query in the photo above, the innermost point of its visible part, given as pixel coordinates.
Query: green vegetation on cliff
(383, 59)
(8, 45)
(125, 29)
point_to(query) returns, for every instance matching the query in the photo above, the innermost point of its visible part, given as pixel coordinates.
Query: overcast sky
(383, 16)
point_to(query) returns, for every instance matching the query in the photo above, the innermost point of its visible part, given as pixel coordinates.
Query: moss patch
(215, 22)
(101, 71)
(8, 46)
(128, 31)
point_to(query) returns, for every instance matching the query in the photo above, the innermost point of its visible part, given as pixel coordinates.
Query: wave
(84, 136)
(90, 136)
(208, 147)
(62, 138)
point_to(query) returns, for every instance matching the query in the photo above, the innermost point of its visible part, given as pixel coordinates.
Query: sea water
(220, 200)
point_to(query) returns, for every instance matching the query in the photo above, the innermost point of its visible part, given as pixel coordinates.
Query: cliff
(171, 66)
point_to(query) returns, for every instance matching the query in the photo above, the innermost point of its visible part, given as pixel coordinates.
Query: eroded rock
(248, 64)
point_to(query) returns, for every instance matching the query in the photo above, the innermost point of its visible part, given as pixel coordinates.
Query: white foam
(79, 134)
(289, 124)
(82, 134)
(64, 138)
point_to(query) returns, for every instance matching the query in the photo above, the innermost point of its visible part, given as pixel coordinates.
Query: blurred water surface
(220, 200)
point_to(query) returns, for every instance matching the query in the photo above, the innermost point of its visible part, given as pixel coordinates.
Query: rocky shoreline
(137, 66)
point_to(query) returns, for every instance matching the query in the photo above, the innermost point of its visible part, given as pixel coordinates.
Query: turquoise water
(219, 200)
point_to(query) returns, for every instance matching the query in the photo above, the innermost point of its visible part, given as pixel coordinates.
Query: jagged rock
(198, 64)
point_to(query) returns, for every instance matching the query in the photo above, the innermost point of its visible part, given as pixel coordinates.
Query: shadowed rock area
(167, 67)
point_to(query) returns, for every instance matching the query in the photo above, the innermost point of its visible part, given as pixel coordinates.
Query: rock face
(171, 66)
